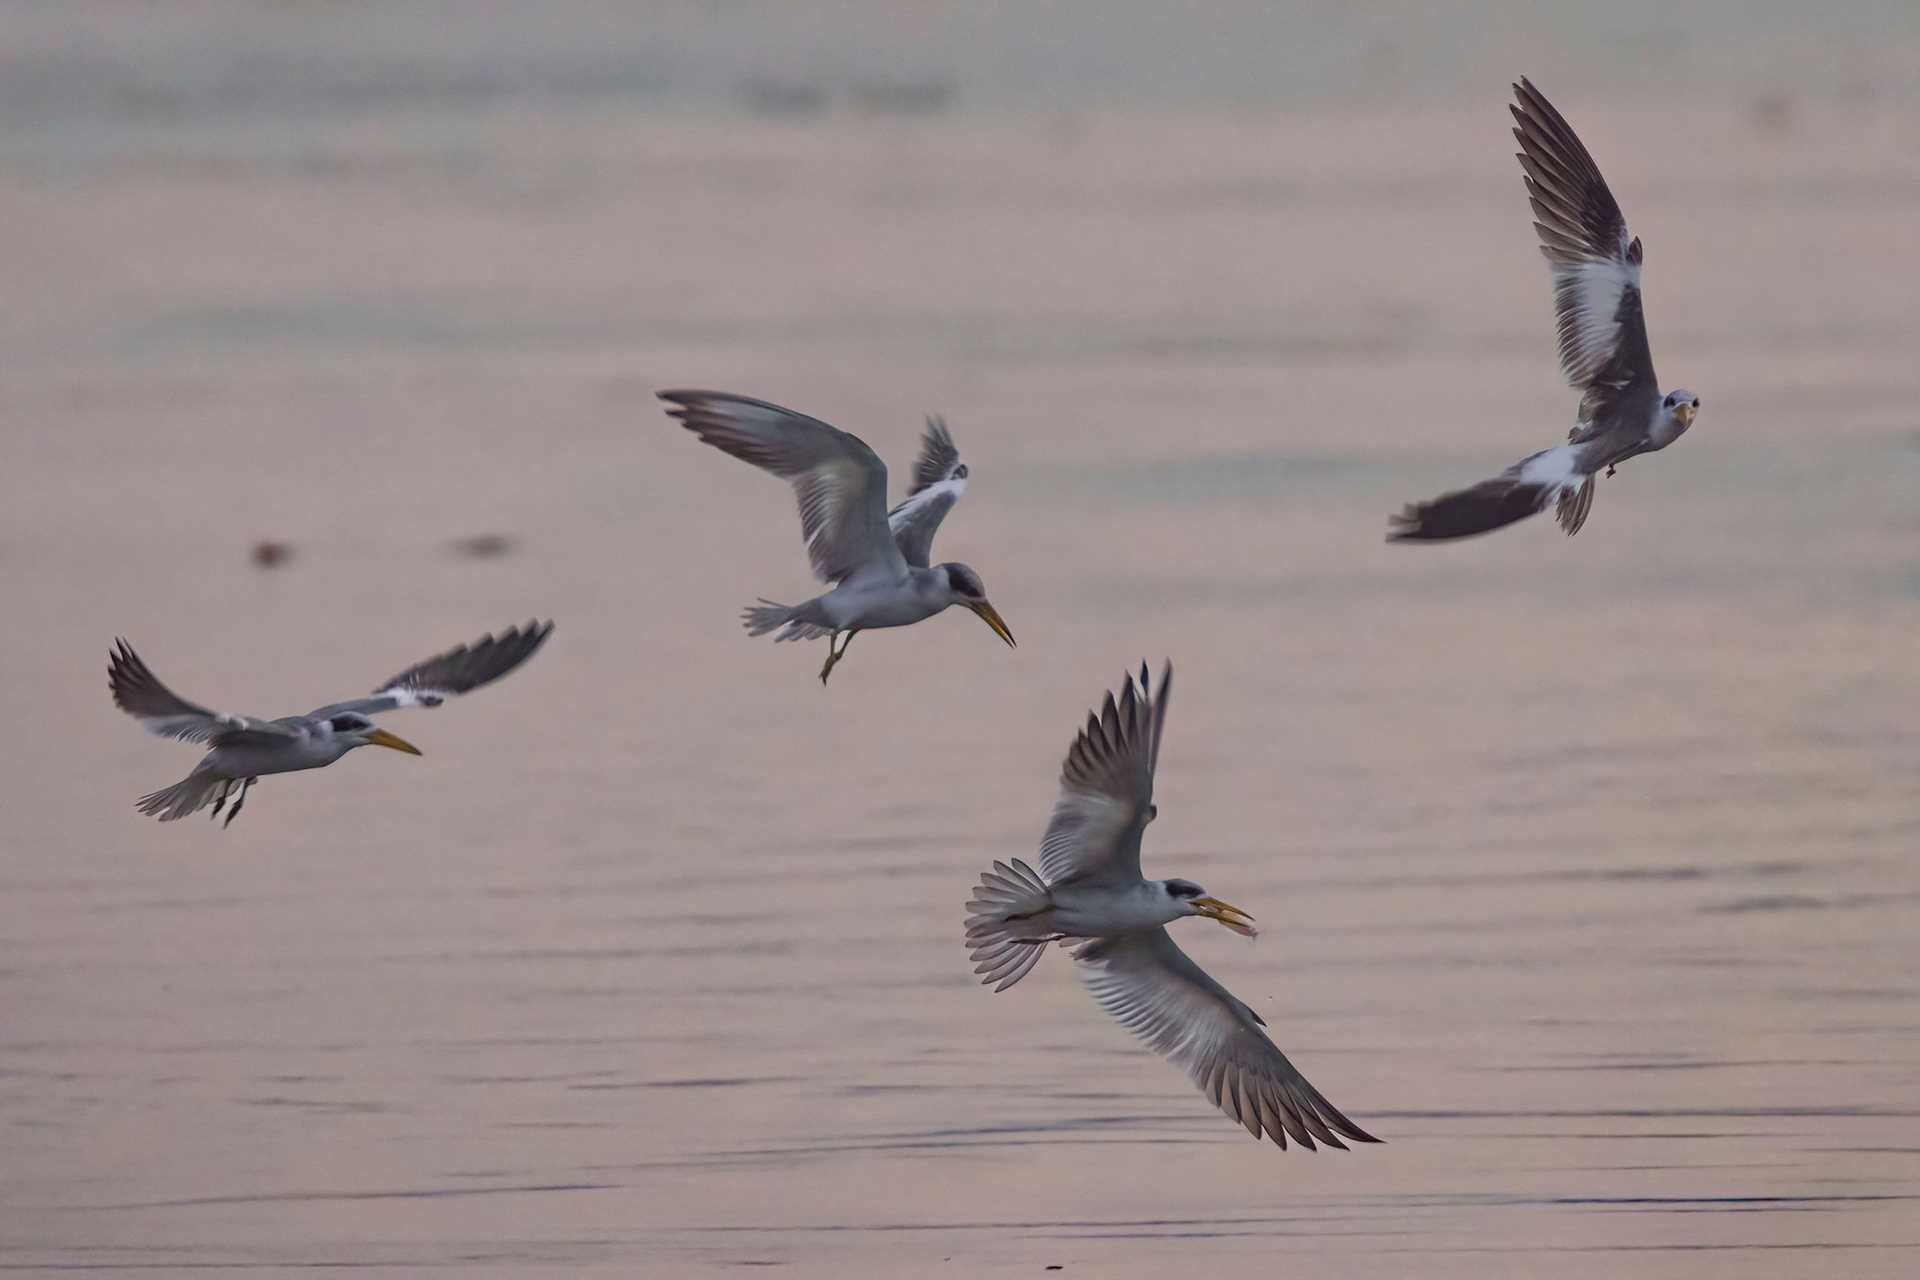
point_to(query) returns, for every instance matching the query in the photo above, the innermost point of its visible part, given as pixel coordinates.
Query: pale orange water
(1587, 866)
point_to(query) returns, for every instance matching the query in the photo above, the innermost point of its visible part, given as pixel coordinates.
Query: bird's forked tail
(189, 795)
(1008, 930)
(768, 615)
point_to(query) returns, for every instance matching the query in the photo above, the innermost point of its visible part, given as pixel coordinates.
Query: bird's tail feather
(189, 795)
(1574, 505)
(769, 615)
(1007, 932)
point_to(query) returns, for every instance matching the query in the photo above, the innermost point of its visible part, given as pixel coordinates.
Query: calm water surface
(1588, 866)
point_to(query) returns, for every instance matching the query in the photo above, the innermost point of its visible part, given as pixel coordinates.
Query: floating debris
(484, 546)
(268, 553)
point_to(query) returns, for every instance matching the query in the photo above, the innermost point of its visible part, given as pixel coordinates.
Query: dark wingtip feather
(1482, 508)
(1117, 750)
(126, 674)
(466, 667)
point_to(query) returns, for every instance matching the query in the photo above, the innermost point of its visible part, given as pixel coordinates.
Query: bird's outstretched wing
(1106, 788)
(458, 670)
(1596, 271)
(1151, 987)
(840, 482)
(939, 478)
(1560, 475)
(139, 693)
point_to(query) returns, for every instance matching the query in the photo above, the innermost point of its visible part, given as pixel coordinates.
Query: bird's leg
(235, 811)
(220, 801)
(826, 668)
(833, 657)
(1609, 471)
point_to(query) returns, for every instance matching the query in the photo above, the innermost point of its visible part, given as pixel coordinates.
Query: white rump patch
(1553, 468)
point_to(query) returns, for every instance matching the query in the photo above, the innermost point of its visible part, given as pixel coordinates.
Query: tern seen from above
(1595, 263)
(1089, 893)
(876, 561)
(241, 749)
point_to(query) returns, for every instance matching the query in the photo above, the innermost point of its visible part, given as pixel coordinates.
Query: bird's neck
(1156, 904)
(931, 583)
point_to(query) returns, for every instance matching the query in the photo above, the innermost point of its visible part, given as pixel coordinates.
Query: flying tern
(1595, 264)
(242, 749)
(1089, 893)
(876, 561)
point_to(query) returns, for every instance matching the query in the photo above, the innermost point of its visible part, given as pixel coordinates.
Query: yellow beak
(1227, 914)
(1684, 412)
(991, 616)
(381, 738)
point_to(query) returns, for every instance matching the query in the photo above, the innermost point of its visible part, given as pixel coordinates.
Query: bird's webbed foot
(220, 801)
(240, 800)
(1609, 471)
(834, 655)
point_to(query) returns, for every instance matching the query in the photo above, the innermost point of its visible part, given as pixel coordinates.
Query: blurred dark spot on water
(484, 546)
(1773, 111)
(270, 553)
(784, 99)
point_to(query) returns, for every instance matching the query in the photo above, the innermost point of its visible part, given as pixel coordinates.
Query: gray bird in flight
(241, 749)
(876, 561)
(1090, 893)
(1595, 263)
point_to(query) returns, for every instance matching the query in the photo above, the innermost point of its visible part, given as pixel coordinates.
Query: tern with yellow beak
(1089, 894)
(876, 561)
(242, 748)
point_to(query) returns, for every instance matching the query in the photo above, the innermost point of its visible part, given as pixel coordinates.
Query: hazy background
(1588, 866)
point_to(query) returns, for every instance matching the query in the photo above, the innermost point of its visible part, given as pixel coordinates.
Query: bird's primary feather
(459, 670)
(1153, 989)
(139, 693)
(1595, 263)
(840, 483)
(939, 480)
(1106, 787)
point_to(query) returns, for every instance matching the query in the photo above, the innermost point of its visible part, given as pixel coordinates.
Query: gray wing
(458, 670)
(1153, 989)
(840, 482)
(139, 693)
(1596, 272)
(1106, 788)
(939, 478)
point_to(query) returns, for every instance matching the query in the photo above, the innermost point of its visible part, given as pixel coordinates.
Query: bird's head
(965, 588)
(1192, 900)
(357, 731)
(1681, 406)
